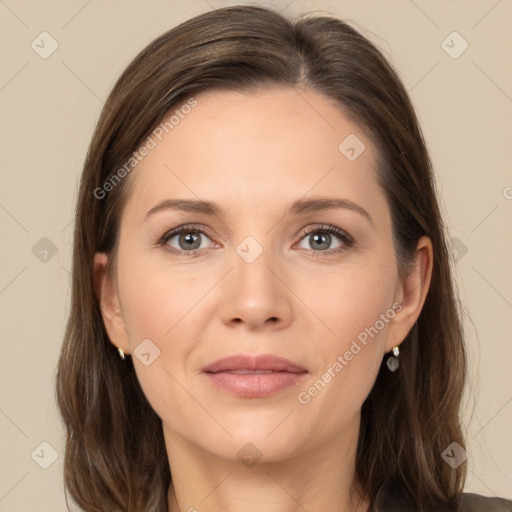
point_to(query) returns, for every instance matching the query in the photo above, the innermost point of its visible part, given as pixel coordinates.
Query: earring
(392, 361)
(121, 353)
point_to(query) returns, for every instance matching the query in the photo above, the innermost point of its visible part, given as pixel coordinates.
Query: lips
(260, 363)
(254, 376)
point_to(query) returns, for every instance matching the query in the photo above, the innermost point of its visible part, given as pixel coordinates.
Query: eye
(321, 237)
(185, 240)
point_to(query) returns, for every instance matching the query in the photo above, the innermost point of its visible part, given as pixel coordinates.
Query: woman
(218, 356)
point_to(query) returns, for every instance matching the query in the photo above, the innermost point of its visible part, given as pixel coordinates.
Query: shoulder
(471, 502)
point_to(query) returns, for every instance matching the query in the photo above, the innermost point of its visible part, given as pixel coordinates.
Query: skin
(254, 154)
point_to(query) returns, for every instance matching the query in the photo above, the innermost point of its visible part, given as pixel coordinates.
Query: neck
(319, 479)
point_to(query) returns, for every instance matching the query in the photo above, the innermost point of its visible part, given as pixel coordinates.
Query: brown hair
(115, 457)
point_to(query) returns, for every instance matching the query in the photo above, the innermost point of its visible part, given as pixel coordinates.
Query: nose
(255, 295)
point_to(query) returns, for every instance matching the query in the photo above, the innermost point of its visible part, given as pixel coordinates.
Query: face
(290, 273)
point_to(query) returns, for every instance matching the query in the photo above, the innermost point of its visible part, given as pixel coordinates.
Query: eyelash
(344, 237)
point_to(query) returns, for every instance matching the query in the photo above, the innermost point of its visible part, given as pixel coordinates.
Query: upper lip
(264, 362)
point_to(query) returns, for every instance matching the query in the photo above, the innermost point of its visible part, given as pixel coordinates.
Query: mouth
(247, 372)
(254, 376)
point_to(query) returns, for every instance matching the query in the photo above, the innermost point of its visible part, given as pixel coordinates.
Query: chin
(261, 438)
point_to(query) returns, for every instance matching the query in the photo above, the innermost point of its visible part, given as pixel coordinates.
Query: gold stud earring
(121, 353)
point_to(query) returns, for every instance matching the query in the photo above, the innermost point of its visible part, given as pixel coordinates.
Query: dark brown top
(469, 502)
(477, 503)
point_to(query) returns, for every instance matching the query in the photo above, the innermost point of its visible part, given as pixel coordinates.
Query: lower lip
(255, 385)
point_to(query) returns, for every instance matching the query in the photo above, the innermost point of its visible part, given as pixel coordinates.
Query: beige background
(49, 108)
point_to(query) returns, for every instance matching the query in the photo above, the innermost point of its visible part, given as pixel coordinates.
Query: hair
(115, 457)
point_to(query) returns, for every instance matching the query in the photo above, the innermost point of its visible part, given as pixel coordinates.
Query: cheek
(357, 306)
(155, 299)
(159, 305)
(352, 299)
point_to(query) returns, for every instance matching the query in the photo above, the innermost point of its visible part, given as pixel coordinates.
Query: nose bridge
(252, 271)
(255, 295)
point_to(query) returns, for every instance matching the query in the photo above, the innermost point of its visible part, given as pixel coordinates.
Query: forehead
(265, 146)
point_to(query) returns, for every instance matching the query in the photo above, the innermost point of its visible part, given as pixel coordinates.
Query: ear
(411, 293)
(106, 292)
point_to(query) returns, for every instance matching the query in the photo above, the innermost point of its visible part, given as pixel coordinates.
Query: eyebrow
(300, 206)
